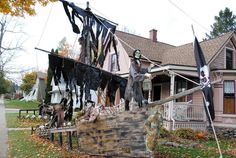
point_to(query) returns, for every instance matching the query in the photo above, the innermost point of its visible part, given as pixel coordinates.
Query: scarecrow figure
(136, 76)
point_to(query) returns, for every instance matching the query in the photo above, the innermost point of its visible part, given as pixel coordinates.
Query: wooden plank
(60, 139)
(179, 95)
(69, 140)
(63, 129)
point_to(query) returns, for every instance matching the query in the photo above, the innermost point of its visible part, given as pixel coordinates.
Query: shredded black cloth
(93, 27)
(85, 76)
(55, 65)
(105, 79)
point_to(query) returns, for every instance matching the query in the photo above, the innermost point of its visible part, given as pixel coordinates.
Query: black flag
(203, 73)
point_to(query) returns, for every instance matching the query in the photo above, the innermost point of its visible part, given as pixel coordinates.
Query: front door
(229, 97)
(156, 92)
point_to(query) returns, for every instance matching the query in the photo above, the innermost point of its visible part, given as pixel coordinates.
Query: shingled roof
(183, 55)
(168, 54)
(152, 50)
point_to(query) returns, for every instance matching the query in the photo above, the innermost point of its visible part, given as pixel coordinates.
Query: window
(181, 86)
(229, 59)
(229, 97)
(113, 62)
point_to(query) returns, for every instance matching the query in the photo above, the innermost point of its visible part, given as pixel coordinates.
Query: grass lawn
(21, 104)
(23, 145)
(204, 149)
(14, 122)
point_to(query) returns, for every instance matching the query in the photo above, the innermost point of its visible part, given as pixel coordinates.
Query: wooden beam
(179, 95)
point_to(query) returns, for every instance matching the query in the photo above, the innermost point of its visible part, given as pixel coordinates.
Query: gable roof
(152, 50)
(183, 55)
(171, 55)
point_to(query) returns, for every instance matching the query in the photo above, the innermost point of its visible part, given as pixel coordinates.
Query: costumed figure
(136, 76)
(153, 126)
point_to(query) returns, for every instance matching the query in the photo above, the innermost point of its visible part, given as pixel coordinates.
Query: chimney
(153, 35)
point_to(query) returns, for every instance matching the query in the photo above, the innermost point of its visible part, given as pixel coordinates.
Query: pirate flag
(203, 73)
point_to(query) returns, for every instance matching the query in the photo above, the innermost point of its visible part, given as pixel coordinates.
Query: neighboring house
(59, 91)
(188, 111)
(38, 90)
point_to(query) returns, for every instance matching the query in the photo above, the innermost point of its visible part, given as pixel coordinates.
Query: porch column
(172, 92)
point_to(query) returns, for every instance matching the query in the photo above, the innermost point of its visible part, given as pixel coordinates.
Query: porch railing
(183, 111)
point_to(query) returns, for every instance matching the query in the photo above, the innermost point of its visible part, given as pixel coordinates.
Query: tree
(225, 22)
(65, 49)
(28, 82)
(6, 86)
(21, 7)
(11, 40)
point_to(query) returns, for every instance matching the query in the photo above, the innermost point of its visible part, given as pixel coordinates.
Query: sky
(171, 18)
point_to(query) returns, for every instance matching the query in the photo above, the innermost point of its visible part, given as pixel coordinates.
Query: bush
(164, 133)
(185, 133)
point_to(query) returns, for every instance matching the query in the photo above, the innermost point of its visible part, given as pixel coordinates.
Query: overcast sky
(172, 19)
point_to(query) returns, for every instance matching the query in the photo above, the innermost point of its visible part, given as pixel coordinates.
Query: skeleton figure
(136, 76)
(153, 126)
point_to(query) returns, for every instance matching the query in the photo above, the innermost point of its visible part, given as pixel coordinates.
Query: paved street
(3, 131)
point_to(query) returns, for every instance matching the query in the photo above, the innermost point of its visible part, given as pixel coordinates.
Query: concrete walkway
(3, 130)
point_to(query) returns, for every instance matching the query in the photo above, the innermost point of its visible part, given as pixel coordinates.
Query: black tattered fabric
(89, 77)
(99, 30)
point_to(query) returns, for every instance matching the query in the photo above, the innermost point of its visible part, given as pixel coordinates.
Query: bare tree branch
(10, 42)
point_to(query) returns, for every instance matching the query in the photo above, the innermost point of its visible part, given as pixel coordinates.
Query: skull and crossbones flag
(203, 73)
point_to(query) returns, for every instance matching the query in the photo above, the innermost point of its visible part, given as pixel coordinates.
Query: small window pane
(229, 59)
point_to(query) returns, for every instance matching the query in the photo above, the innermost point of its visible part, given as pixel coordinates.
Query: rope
(42, 33)
(189, 16)
(45, 24)
(213, 128)
(147, 58)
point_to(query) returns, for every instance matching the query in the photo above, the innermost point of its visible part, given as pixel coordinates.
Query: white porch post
(171, 103)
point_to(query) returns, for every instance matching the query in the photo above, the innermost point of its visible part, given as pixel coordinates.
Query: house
(38, 90)
(177, 72)
(59, 91)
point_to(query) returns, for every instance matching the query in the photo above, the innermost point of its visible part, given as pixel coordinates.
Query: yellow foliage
(21, 7)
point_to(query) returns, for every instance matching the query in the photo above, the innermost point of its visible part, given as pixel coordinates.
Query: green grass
(23, 145)
(21, 104)
(14, 122)
(205, 149)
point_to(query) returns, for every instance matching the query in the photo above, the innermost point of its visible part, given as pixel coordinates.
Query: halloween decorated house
(123, 92)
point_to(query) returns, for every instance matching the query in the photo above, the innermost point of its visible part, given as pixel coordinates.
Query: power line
(186, 14)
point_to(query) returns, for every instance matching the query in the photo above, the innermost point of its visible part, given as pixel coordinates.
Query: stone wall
(120, 135)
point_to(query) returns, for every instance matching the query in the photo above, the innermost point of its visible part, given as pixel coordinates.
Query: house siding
(124, 60)
(197, 98)
(219, 61)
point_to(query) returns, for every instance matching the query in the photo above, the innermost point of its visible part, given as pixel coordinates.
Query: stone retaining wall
(121, 135)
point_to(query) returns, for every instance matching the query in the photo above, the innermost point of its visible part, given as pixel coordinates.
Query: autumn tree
(65, 49)
(224, 22)
(21, 7)
(28, 82)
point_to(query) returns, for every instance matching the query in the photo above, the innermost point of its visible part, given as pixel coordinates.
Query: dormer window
(229, 59)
